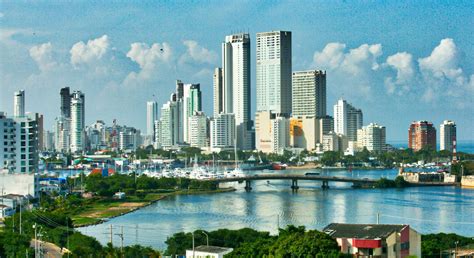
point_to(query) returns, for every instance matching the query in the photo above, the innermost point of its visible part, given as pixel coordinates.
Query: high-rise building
(169, 124)
(372, 137)
(191, 104)
(19, 146)
(236, 85)
(447, 135)
(326, 125)
(198, 130)
(304, 132)
(39, 123)
(129, 138)
(77, 122)
(218, 91)
(62, 134)
(272, 132)
(222, 132)
(65, 102)
(48, 138)
(151, 117)
(309, 93)
(273, 72)
(347, 119)
(421, 134)
(19, 103)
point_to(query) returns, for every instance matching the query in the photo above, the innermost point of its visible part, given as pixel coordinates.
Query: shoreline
(182, 192)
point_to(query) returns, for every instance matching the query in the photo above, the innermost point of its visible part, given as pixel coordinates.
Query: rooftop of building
(212, 249)
(362, 231)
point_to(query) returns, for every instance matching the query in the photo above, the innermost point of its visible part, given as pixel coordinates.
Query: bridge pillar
(325, 185)
(248, 185)
(294, 184)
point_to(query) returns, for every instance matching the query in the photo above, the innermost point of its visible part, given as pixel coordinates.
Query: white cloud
(2, 15)
(352, 69)
(92, 51)
(148, 58)
(197, 53)
(443, 61)
(331, 56)
(402, 62)
(43, 56)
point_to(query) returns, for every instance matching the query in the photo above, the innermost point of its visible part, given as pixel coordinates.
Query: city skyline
(416, 76)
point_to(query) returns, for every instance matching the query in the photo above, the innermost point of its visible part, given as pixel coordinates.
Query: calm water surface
(269, 205)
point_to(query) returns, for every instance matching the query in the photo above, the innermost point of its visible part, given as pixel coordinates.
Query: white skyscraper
(236, 85)
(198, 130)
(309, 93)
(151, 117)
(222, 132)
(62, 129)
(274, 72)
(169, 124)
(77, 121)
(372, 137)
(347, 119)
(19, 104)
(447, 135)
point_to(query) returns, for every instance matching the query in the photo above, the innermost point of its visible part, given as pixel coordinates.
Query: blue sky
(397, 60)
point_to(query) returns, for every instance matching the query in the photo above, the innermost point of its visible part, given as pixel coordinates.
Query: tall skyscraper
(65, 102)
(421, 135)
(19, 103)
(372, 137)
(236, 85)
(169, 124)
(309, 93)
(151, 117)
(447, 135)
(347, 119)
(62, 134)
(39, 124)
(274, 72)
(218, 91)
(77, 121)
(191, 104)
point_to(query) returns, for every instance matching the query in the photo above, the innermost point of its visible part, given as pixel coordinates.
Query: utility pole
(193, 243)
(36, 242)
(121, 238)
(111, 236)
(378, 218)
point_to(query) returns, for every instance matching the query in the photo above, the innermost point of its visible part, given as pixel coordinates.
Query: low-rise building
(376, 240)
(6, 211)
(207, 251)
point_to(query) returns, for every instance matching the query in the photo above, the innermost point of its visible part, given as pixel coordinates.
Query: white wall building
(198, 130)
(77, 122)
(18, 183)
(273, 72)
(206, 251)
(222, 132)
(347, 119)
(447, 135)
(151, 117)
(61, 134)
(372, 137)
(236, 85)
(309, 93)
(169, 124)
(22, 152)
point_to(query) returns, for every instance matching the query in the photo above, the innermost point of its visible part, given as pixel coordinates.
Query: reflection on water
(269, 205)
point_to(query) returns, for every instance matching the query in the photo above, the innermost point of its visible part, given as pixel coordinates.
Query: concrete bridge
(356, 182)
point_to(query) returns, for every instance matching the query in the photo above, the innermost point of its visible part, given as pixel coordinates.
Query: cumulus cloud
(148, 58)
(88, 52)
(353, 68)
(43, 56)
(402, 62)
(197, 53)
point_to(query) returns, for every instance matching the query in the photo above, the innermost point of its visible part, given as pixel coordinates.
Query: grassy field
(96, 210)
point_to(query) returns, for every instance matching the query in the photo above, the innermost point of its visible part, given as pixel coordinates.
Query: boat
(279, 166)
(312, 174)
